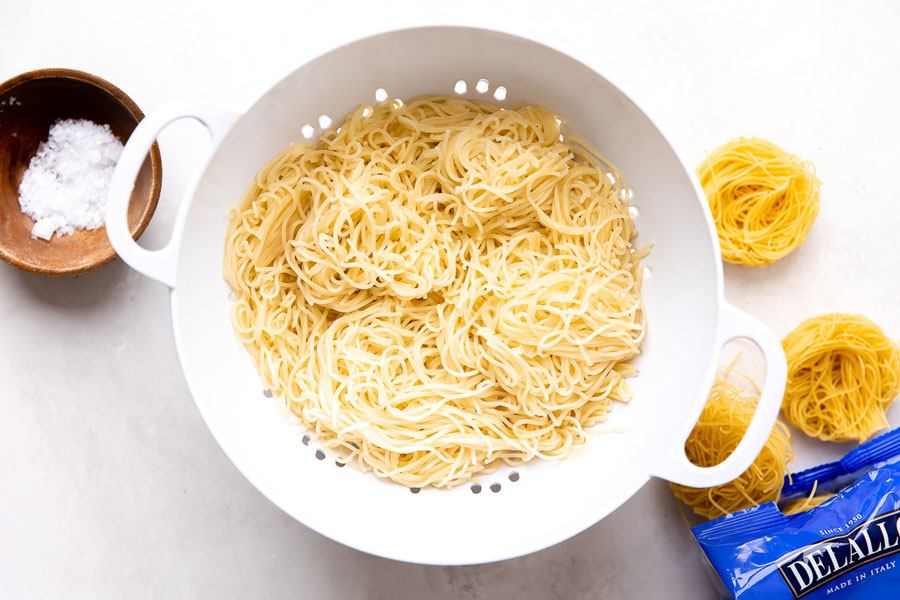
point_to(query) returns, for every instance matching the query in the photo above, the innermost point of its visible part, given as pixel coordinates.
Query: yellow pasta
(438, 286)
(719, 430)
(843, 375)
(763, 200)
(798, 505)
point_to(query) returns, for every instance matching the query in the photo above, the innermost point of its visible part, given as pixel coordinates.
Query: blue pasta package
(845, 548)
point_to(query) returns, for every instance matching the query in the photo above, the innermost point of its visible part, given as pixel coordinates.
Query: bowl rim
(155, 162)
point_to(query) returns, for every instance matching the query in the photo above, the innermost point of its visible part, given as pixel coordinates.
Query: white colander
(507, 513)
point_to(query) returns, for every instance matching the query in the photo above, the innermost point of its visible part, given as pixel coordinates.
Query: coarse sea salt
(67, 180)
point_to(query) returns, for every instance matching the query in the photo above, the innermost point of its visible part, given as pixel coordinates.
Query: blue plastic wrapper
(846, 548)
(830, 476)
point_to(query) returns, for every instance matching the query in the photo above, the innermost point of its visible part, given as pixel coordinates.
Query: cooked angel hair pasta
(439, 286)
(721, 426)
(843, 375)
(763, 200)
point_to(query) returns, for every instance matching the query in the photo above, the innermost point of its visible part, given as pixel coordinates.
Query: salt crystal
(67, 180)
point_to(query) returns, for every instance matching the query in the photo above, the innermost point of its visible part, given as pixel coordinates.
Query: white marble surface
(111, 486)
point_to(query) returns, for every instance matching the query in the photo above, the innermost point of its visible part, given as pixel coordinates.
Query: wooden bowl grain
(41, 98)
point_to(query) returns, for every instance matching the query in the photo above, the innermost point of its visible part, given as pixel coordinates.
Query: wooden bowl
(42, 97)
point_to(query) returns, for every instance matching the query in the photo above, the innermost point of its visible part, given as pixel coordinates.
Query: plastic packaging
(846, 548)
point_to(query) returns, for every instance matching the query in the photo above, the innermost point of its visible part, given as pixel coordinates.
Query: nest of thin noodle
(843, 376)
(763, 199)
(721, 426)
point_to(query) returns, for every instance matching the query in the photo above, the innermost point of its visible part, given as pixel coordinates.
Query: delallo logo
(832, 558)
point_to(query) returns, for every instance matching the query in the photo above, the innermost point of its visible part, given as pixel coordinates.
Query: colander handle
(156, 264)
(676, 467)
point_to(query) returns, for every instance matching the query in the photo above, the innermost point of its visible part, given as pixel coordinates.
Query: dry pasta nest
(843, 375)
(763, 200)
(719, 430)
